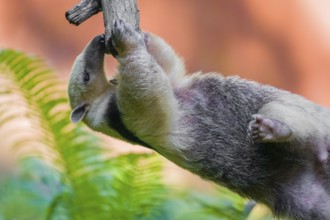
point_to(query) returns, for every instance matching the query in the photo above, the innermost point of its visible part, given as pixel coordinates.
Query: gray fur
(261, 142)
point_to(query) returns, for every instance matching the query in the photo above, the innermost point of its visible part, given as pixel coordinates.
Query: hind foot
(263, 129)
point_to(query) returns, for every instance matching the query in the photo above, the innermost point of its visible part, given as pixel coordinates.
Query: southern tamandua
(262, 142)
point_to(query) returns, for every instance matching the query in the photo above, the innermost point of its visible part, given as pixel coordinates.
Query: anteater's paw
(125, 38)
(264, 129)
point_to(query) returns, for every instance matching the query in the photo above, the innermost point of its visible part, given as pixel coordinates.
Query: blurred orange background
(282, 43)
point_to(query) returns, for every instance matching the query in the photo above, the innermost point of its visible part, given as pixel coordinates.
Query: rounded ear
(78, 113)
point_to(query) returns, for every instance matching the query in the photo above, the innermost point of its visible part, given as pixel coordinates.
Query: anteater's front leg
(145, 96)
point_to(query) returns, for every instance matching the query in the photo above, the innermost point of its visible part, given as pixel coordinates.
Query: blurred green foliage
(64, 172)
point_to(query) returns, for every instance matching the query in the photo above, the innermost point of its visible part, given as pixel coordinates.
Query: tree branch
(126, 10)
(83, 10)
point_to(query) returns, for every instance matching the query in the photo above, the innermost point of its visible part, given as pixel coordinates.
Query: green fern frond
(140, 192)
(93, 186)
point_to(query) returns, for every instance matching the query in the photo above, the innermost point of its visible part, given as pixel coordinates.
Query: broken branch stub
(83, 10)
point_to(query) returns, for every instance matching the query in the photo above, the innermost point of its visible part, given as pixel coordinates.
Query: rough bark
(126, 10)
(83, 10)
(119, 9)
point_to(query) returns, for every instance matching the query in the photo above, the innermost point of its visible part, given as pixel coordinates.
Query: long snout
(89, 61)
(97, 43)
(95, 50)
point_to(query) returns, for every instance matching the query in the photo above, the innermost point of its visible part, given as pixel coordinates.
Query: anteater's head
(87, 80)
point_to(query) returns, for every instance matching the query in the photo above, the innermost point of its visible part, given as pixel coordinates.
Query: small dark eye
(86, 77)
